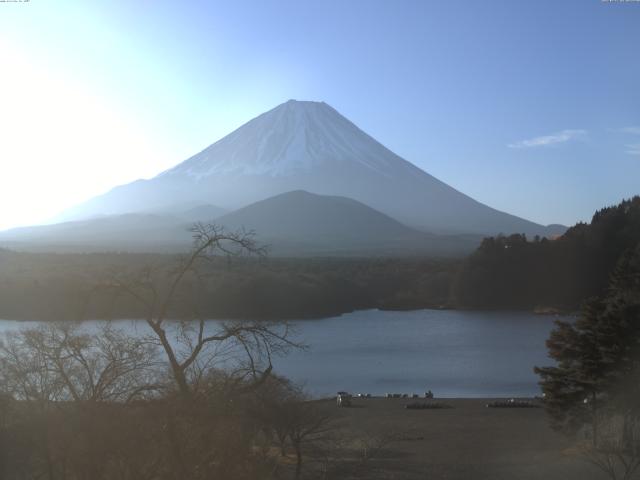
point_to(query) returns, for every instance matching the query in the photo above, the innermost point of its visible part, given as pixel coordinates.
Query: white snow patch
(293, 137)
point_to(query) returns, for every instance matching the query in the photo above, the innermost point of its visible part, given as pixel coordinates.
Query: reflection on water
(452, 353)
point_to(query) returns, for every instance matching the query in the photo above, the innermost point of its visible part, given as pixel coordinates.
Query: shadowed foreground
(467, 441)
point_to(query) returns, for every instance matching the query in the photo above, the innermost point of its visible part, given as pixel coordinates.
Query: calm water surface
(453, 353)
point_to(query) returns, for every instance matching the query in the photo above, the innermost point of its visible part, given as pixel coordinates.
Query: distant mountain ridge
(295, 223)
(320, 224)
(309, 146)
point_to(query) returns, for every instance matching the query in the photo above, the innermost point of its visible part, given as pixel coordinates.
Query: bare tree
(98, 402)
(68, 386)
(60, 362)
(191, 345)
(307, 425)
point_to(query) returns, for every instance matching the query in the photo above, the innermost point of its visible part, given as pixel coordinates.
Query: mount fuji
(305, 178)
(303, 145)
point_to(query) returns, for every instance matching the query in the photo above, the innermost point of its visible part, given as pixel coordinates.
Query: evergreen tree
(619, 329)
(598, 356)
(574, 387)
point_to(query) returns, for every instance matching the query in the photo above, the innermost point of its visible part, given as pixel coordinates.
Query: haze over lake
(453, 353)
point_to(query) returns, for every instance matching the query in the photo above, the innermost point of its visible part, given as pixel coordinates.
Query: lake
(453, 353)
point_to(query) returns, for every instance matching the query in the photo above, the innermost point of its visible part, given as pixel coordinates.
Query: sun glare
(61, 143)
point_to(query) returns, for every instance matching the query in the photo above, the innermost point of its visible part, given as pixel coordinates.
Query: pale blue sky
(530, 107)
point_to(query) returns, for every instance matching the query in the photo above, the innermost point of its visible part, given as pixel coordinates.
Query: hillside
(512, 272)
(305, 223)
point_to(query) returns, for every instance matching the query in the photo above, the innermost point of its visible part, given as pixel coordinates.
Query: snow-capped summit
(309, 146)
(293, 137)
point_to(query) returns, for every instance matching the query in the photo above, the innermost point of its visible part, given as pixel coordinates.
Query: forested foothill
(558, 274)
(505, 272)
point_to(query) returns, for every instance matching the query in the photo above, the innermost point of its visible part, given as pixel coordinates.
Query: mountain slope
(303, 215)
(309, 146)
(202, 213)
(299, 221)
(127, 232)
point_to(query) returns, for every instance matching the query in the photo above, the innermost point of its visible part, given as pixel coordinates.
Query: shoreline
(536, 311)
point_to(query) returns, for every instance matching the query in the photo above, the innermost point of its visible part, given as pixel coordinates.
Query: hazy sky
(532, 107)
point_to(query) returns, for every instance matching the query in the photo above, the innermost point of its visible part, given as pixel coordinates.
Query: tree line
(49, 286)
(519, 273)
